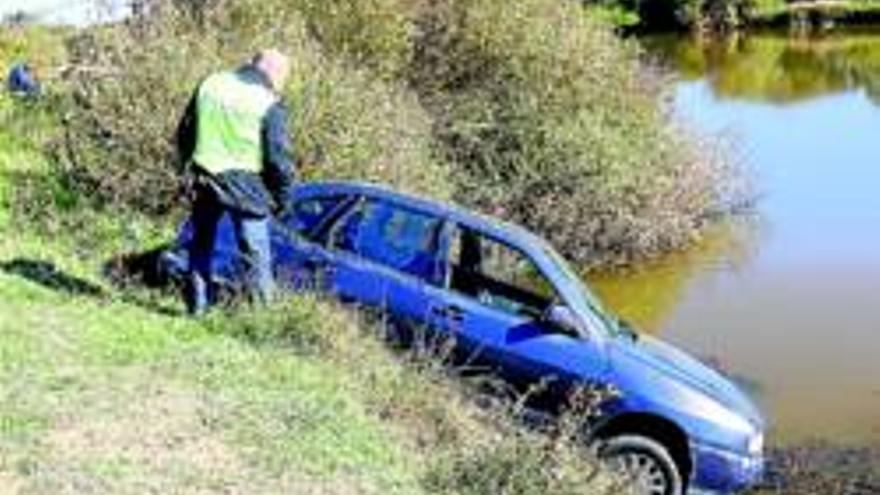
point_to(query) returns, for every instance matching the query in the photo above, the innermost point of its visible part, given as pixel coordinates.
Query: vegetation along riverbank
(725, 16)
(533, 111)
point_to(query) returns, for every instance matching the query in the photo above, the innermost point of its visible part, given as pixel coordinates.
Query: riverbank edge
(805, 20)
(853, 14)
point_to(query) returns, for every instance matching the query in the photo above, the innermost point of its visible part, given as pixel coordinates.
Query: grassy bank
(104, 397)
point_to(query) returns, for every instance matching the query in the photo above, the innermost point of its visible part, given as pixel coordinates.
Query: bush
(369, 33)
(555, 123)
(547, 459)
(40, 46)
(517, 462)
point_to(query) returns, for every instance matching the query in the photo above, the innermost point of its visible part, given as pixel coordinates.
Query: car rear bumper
(723, 471)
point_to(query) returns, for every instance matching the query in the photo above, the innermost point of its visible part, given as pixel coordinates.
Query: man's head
(275, 65)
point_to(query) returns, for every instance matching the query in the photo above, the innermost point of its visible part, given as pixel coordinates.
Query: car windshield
(583, 300)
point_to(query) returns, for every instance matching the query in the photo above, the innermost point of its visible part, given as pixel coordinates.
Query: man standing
(234, 138)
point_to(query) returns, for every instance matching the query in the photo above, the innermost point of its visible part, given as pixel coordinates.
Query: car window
(308, 213)
(394, 236)
(497, 275)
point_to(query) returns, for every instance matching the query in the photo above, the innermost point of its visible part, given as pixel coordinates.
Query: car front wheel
(643, 463)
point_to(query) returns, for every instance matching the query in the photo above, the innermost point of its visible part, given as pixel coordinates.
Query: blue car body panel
(723, 428)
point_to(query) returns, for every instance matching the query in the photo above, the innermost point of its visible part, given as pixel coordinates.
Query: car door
(382, 253)
(493, 302)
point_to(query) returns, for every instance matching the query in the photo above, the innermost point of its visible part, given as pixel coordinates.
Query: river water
(788, 302)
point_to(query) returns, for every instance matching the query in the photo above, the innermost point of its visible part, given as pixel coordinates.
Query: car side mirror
(563, 320)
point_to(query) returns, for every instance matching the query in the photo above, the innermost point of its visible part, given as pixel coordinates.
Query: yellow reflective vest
(229, 124)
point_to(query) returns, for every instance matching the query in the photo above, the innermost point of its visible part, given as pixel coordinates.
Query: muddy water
(788, 302)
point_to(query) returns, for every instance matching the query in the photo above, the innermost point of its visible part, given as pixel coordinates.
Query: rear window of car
(394, 236)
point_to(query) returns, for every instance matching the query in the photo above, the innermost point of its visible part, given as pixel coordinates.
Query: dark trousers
(252, 234)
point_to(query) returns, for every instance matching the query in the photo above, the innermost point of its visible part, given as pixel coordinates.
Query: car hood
(646, 355)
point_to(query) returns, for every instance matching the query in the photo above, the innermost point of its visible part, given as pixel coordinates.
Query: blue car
(508, 299)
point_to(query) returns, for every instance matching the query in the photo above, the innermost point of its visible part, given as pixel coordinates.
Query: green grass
(102, 394)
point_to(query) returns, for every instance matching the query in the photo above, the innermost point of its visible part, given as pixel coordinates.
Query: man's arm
(278, 168)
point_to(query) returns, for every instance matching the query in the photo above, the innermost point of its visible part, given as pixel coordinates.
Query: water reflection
(777, 68)
(648, 294)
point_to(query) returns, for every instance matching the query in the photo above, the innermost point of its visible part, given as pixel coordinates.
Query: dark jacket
(254, 194)
(22, 81)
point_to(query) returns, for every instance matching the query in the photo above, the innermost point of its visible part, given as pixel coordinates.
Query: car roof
(484, 223)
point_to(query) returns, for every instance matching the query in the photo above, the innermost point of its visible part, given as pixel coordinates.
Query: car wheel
(644, 463)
